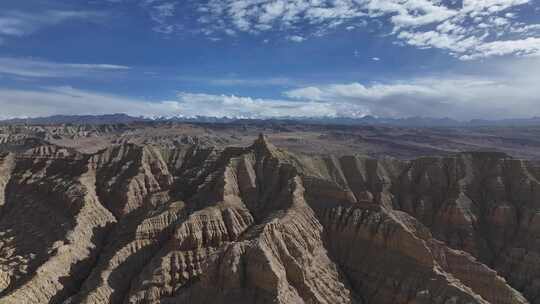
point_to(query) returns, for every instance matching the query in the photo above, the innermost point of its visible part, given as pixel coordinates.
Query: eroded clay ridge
(149, 224)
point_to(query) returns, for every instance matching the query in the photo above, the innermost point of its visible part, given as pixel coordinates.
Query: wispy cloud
(34, 68)
(161, 13)
(14, 23)
(67, 100)
(251, 82)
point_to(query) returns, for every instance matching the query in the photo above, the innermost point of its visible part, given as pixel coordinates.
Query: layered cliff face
(193, 224)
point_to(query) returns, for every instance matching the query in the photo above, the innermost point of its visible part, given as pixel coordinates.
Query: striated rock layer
(193, 224)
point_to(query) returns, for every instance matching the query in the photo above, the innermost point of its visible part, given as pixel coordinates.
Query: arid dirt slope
(192, 224)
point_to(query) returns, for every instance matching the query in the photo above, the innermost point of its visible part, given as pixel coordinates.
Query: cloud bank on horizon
(484, 58)
(514, 92)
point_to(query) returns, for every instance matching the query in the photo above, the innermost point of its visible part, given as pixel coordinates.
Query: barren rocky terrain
(374, 141)
(178, 213)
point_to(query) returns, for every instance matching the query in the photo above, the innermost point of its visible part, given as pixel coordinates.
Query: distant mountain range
(363, 121)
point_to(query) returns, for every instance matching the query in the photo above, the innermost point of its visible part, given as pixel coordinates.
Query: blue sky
(262, 58)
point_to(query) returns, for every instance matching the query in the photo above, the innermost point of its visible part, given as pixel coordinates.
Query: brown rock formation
(192, 224)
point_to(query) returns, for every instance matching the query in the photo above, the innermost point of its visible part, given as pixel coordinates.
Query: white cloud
(465, 29)
(477, 30)
(479, 7)
(361, 92)
(524, 47)
(296, 38)
(271, 11)
(189, 104)
(470, 29)
(254, 16)
(455, 43)
(530, 28)
(69, 101)
(511, 91)
(412, 13)
(34, 68)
